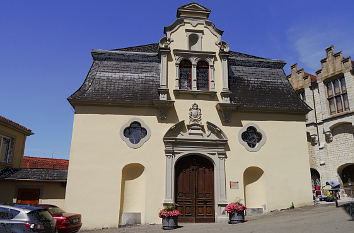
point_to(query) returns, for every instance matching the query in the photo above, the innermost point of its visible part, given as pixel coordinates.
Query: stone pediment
(193, 10)
(195, 132)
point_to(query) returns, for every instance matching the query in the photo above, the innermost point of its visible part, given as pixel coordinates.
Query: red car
(66, 222)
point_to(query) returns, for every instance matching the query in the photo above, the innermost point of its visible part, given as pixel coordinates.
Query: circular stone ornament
(252, 137)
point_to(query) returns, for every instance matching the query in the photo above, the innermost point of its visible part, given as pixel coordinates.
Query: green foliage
(170, 208)
(292, 205)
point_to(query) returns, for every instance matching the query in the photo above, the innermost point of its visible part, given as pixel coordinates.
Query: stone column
(194, 77)
(169, 180)
(225, 72)
(177, 76)
(211, 78)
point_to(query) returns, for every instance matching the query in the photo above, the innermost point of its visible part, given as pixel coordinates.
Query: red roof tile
(16, 125)
(313, 77)
(35, 162)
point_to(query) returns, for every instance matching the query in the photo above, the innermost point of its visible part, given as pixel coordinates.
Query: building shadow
(349, 209)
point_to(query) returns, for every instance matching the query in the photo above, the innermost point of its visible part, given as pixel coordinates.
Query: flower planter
(237, 217)
(170, 223)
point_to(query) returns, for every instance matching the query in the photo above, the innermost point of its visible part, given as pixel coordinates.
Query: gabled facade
(330, 124)
(12, 142)
(185, 121)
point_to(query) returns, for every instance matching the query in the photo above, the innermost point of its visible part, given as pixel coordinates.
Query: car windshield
(55, 210)
(41, 215)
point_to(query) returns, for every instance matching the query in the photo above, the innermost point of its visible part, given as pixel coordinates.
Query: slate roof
(258, 84)
(133, 75)
(121, 76)
(34, 174)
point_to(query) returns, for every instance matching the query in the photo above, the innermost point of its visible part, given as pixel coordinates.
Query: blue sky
(45, 47)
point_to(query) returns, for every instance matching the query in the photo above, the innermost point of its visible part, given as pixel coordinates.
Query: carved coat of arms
(195, 114)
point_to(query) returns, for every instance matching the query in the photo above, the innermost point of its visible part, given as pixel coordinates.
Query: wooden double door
(194, 189)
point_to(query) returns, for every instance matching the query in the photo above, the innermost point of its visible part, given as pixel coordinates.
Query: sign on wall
(234, 185)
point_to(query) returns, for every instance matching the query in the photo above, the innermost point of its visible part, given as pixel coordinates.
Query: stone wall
(330, 136)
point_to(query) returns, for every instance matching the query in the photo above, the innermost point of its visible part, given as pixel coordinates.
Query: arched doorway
(346, 173)
(194, 189)
(315, 178)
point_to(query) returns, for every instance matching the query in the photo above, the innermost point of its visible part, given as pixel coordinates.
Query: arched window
(203, 76)
(185, 75)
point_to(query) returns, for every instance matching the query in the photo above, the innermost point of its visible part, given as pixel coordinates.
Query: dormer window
(185, 75)
(195, 71)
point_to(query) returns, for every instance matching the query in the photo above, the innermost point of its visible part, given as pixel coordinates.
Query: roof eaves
(6, 122)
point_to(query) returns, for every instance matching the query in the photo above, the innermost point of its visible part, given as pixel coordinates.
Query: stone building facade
(330, 125)
(185, 121)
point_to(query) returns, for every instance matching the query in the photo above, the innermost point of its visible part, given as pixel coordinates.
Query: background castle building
(330, 124)
(185, 121)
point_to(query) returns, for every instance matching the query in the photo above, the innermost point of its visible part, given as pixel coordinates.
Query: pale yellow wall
(19, 145)
(98, 155)
(50, 192)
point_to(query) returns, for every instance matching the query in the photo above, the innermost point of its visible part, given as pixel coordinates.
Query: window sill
(194, 93)
(335, 115)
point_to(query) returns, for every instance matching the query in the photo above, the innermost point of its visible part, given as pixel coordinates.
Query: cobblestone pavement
(320, 219)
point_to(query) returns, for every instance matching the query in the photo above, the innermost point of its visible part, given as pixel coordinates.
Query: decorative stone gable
(333, 64)
(298, 78)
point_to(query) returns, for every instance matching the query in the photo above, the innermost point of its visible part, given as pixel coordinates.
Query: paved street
(321, 219)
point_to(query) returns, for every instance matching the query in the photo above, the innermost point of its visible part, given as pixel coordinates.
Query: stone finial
(195, 114)
(330, 50)
(294, 68)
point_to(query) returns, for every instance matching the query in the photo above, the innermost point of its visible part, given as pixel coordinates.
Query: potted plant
(169, 216)
(236, 212)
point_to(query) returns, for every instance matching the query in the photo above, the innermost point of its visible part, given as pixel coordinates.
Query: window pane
(339, 104)
(203, 76)
(332, 106)
(346, 102)
(336, 87)
(344, 88)
(135, 132)
(185, 75)
(4, 150)
(4, 213)
(329, 89)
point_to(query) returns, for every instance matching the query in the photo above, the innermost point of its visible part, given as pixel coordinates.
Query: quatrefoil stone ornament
(252, 137)
(135, 133)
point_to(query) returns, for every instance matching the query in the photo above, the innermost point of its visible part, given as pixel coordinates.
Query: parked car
(15, 218)
(66, 222)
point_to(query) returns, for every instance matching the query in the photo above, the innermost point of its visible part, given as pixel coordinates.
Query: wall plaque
(234, 185)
